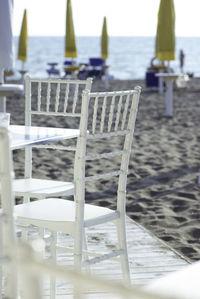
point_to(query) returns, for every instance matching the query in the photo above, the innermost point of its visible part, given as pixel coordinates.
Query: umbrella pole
(22, 72)
(73, 61)
(2, 99)
(106, 76)
(168, 66)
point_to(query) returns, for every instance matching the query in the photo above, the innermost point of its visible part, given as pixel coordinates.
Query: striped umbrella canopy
(23, 40)
(70, 41)
(165, 36)
(6, 37)
(104, 40)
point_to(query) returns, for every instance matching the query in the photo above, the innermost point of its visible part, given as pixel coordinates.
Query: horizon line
(187, 36)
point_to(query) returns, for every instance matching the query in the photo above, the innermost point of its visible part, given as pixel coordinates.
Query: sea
(129, 57)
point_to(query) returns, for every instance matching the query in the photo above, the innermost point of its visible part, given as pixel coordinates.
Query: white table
(183, 284)
(22, 136)
(169, 79)
(7, 90)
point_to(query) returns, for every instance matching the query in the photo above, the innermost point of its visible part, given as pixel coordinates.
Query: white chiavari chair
(105, 117)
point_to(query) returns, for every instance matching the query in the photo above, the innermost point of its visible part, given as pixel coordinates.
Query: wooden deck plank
(149, 257)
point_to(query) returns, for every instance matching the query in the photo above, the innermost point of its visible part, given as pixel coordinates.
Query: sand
(162, 191)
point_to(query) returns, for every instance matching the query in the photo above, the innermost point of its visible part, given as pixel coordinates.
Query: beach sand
(162, 191)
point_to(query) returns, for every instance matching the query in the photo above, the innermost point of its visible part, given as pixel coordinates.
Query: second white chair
(53, 98)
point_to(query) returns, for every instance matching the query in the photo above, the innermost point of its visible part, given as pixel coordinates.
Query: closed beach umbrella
(6, 37)
(23, 40)
(165, 36)
(104, 40)
(70, 41)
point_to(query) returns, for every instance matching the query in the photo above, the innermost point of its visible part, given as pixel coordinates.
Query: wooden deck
(149, 257)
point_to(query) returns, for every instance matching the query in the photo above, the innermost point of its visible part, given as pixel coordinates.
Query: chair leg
(85, 255)
(26, 198)
(1, 266)
(78, 247)
(53, 257)
(24, 233)
(41, 229)
(121, 232)
(78, 252)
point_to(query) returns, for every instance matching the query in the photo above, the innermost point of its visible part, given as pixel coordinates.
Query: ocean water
(129, 57)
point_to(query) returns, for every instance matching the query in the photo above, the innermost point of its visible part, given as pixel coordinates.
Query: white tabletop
(22, 136)
(169, 76)
(9, 89)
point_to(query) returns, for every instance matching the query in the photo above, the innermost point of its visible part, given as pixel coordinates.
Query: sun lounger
(53, 70)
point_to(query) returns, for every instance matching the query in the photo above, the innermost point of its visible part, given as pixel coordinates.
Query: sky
(124, 17)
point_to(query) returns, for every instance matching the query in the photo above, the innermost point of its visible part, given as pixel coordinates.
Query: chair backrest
(96, 61)
(46, 98)
(67, 62)
(55, 97)
(109, 117)
(7, 231)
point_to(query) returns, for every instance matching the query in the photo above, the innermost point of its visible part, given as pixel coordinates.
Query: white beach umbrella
(6, 51)
(6, 36)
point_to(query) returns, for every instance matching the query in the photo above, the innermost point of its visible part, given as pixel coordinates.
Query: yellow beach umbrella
(70, 41)
(104, 40)
(23, 40)
(165, 36)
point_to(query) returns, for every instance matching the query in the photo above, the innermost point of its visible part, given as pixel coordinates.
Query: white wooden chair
(7, 231)
(104, 116)
(57, 98)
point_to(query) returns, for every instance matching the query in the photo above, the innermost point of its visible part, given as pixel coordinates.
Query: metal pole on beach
(2, 98)
(6, 44)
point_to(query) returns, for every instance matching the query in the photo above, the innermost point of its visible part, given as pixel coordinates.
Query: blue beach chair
(96, 68)
(53, 70)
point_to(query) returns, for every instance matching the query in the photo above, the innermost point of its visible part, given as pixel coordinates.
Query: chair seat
(59, 211)
(42, 188)
(53, 71)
